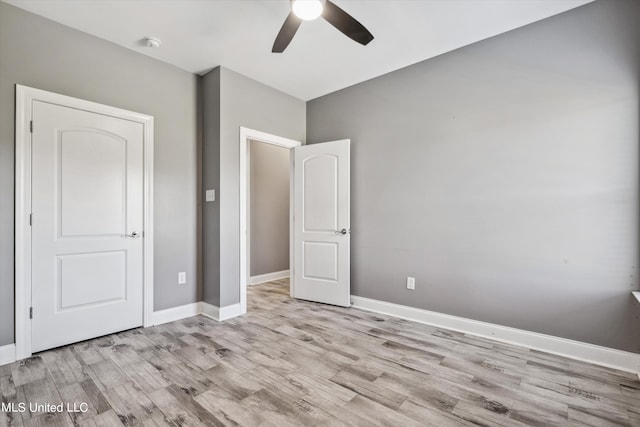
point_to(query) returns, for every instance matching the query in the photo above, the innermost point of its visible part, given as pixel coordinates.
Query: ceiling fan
(311, 9)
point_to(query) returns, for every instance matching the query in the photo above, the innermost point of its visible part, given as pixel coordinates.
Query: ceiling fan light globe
(307, 9)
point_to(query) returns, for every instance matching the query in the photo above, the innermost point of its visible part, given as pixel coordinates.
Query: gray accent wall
(503, 176)
(269, 207)
(43, 54)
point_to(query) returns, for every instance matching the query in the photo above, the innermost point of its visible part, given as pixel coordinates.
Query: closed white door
(87, 225)
(321, 223)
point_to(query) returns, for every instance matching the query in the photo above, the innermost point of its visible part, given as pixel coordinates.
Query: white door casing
(85, 174)
(321, 230)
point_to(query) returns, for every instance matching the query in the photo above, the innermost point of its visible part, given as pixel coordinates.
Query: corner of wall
(210, 94)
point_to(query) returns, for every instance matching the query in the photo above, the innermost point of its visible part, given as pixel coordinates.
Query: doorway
(319, 218)
(269, 184)
(265, 143)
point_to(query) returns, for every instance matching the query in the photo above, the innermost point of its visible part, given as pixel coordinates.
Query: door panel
(320, 196)
(91, 279)
(320, 260)
(92, 183)
(321, 209)
(87, 192)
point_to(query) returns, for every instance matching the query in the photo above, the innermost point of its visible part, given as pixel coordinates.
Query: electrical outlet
(182, 278)
(411, 283)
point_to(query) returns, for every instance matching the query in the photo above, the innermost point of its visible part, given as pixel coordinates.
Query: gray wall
(211, 181)
(269, 207)
(40, 53)
(504, 177)
(247, 103)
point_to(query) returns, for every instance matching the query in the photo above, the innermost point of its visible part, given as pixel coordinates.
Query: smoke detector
(152, 42)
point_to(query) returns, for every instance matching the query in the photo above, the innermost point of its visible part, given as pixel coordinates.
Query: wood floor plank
(7, 386)
(236, 384)
(430, 416)
(190, 405)
(174, 412)
(130, 404)
(39, 393)
(490, 413)
(145, 376)
(599, 418)
(196, 357)
(281, 413)
(10, 418)
(85, 393)
(378, 414)
(227, 410)
(86, 353)
(49, 420)
(419, 390)
(311, 385)
(64, 367)
(28, 370)
(106, 374)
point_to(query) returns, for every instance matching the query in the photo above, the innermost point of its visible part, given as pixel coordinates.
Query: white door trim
(25, 96)
(247, 134)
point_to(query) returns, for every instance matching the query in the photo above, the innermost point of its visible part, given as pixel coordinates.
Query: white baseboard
(268, 277)
(189, 310)
(577, 350)
(175, 313)
(7, 354)
(209, 310)
(220, 313)
(229, 312)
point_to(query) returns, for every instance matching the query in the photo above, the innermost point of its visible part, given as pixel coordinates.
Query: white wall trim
(247, 134)
(577, 350)
(268, 277)
(229, 312)
(209, 310)
(25, 96)
(220, 313)
(176, 313)
(7, 354)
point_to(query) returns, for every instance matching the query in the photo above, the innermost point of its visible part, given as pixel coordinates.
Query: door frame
(246, 135)
(25, 97)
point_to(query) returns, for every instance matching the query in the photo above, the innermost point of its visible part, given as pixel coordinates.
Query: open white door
(321, 225)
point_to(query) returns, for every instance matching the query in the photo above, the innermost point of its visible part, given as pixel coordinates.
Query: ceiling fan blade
(288, 30)
(346, 23)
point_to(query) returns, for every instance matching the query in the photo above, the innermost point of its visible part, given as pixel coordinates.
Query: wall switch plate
(411, 283)
(210, 196)
(182, 278)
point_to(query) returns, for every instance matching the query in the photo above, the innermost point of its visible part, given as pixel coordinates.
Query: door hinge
(30, 220)
(30, 312)
(31, 126)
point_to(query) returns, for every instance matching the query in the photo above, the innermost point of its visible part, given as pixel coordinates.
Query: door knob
(343, 231)
(133, 235)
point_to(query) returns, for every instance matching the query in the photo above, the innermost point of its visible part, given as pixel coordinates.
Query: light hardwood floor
(295, 363)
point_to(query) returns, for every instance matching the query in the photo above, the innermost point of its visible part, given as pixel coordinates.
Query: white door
(87, 244)
(321, 226)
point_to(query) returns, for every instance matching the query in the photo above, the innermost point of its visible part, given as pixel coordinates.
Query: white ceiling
(198, 35)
